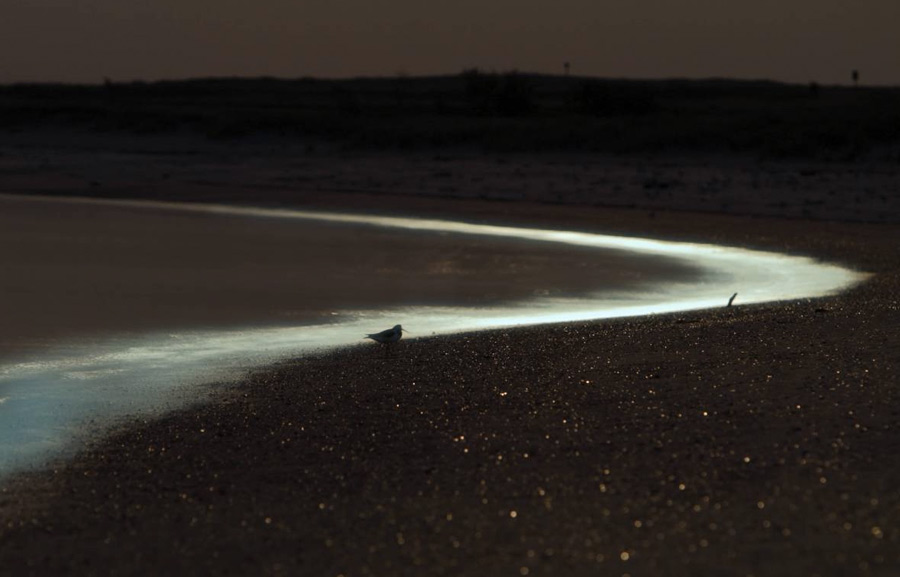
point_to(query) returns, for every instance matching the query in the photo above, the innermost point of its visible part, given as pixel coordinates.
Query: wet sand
(745, 441)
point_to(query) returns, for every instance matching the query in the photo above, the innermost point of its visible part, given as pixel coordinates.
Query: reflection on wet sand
(88, 269)
(117, 307)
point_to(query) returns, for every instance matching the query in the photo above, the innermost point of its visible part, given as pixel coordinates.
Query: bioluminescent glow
(45, 403)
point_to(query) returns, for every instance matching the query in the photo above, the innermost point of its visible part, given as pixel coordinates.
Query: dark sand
(755, 440)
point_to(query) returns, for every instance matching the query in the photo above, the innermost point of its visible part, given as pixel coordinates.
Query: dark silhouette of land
(496, 112)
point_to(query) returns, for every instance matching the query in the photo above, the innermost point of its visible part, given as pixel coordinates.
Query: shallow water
(58, 387)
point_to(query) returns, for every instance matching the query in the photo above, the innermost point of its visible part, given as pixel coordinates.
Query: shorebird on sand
(387, 337)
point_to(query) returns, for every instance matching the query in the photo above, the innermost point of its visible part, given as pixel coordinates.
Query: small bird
(388, 337)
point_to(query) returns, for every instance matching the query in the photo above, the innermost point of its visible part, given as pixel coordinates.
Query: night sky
(788, 40)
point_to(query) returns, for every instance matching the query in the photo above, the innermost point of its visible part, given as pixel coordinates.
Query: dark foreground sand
(755, 440)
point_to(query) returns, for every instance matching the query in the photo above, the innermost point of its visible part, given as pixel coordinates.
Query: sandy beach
(755, 440)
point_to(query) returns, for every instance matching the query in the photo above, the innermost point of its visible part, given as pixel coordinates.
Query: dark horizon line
(410, 77)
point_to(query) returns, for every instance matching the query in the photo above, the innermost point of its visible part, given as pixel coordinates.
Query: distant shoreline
(271, 170)
(492, 112)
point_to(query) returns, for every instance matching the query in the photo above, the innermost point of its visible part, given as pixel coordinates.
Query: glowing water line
(43, 403)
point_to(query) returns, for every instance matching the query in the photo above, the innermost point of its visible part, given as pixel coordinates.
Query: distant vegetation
(504, 112)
